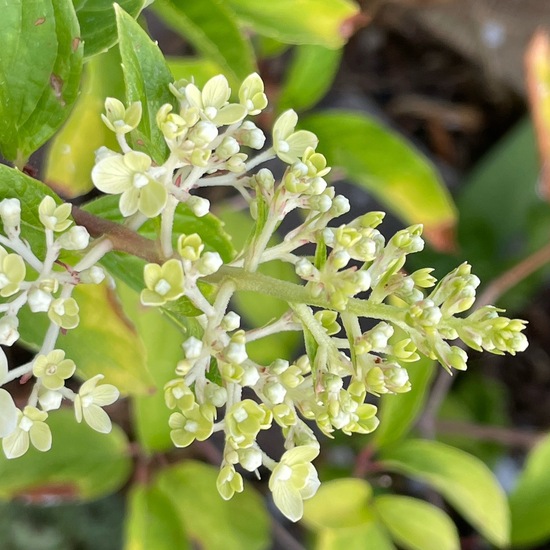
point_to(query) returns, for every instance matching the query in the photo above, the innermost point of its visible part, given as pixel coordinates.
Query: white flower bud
(39, 300)
(250, 459)
(236, 353)
(8, 330)
(250, 376)
(279, 366)
(93, 275)
(231, 321)
(77, 238)
(209, 263)
(10, 212)
(199, 206)
(250, 135)
(275, 392)
(265, 179)
(228, 147)
(203, 133)
(304, 268)
(340, 205)
(321, 203)
(217, 395)
(49, 400)
(192, 347)
(362, 280)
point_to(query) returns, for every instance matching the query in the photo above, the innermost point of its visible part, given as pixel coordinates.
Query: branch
(122, 238)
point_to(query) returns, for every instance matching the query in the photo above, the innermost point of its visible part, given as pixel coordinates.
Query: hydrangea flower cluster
(45, 287)
(354, 274)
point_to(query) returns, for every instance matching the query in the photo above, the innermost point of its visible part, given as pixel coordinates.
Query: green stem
(291, 292)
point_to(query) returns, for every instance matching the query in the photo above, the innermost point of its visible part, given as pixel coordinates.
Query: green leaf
(382, 162)
(30, 192)
(323, 22)
(417, 525)
(212, 29)
(146, 77)
(530, 499)
(152, 522)
(40, 63)
(98, 24)
(369, 536)
(82, 463)
(162, 348)
(194, 69)
(103, 343)
(350, 505)
(398, 413)
(462, 479)
(213, 523)
(71, 154)
(309, 77)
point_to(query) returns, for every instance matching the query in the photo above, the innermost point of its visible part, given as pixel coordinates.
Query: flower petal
(289, 501)
(105, 394)
(152, 199)
(8, 412)
(216, 92)
(229, 114)
(112, 175)
(16, 444)
(97, 419)
(284, 125)
(41, 436)
(129, 201)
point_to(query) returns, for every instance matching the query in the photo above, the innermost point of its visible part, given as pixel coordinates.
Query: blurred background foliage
(422, 108)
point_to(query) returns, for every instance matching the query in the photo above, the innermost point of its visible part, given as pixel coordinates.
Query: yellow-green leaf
(465, 481)
(350, 505)
(82, 464)
(417, 525)
(103, 343)
(308, 77)
(211, 27)
(71, 154)
(530, 499)
(210, 521)
(376, 158)
(152, 521)
(323, 22)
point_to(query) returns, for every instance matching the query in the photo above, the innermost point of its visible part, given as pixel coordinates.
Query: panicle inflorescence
(45, 286)
(354, 274)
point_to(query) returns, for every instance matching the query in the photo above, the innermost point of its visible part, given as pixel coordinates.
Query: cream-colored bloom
(288, 144)
(294, 480)
(30, 428)
(12, 273)
(53, 369)
(251, 94)
(212, 102)
(89, 401)
(54, 217)
(130, 175)
(64, 312)
(119, 119)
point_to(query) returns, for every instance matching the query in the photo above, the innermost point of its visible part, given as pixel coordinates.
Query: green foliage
(146, 77)
(239, 523)
(462, 479)
(139, 349)
(98, 28)
(41, 63)
(384, 164)
(529, 501)
(65, 469)
(417, 525)
(213, 30)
